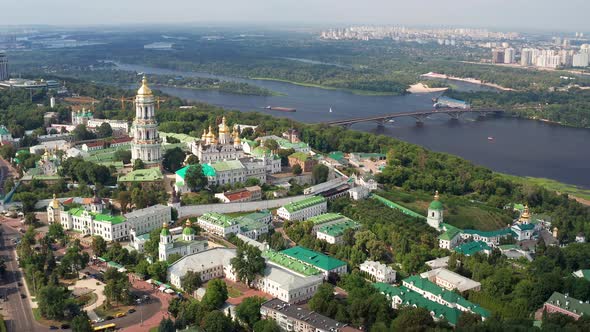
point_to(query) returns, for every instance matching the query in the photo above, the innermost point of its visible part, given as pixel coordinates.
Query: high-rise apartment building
(498, 56)
(509, 55)
(526, 57)
(3, 66)
(581, 59)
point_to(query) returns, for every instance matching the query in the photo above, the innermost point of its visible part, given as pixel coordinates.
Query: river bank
(579, 194)
(423, 88)
(466, 80)
(325, 87)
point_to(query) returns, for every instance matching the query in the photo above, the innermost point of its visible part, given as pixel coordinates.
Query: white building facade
(146, 144)
(378, 271)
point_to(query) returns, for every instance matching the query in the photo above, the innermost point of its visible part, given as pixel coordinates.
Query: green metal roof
(585, 274)
(188, 231)
(290, 263)
(569, 303)
(299, 156)
(218, 219)
(77, 212)
(261, 151)
(470, 248)
(338, 228)
(251, 143)
(396, 206)
(525, 227)
(286, 144)
(247, 224)
(488, 234)
(165, 231)
(142, 175)
(435, 205)
(206, 168)
(304, 203)
(227, 165)
(449, 296)
(4, 131)
(326, 217)
(316, 259)
(449, 234)
(411, 298)
(336, 155)
(363, 155)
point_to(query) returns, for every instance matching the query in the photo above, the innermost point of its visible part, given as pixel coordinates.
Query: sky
(564, 15)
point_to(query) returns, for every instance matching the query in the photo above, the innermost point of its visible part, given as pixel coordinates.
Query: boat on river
(280, 109)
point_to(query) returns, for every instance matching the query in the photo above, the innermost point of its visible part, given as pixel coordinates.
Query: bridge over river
(420, 116)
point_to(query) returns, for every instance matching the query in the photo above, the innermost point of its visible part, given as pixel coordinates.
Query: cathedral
(211, 149)
(146, 143)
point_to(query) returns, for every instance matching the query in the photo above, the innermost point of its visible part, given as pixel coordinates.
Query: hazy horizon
(498, 14)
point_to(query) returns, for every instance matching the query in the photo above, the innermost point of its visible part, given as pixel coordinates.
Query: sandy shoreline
(468, 80)
(423, 88)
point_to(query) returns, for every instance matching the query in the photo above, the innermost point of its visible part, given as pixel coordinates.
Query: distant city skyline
(569, 15)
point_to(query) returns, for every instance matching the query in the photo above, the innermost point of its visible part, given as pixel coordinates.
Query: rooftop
(410, 298)
(218, 219)
(319, 322)
(460, 282)
(289, 263)
(470, 248)
(114, 220)
(142, 175)
(301, 156)
(304, 203)
(396, 206)
(569, 303)
(326, 217)
(228, 165)
(147, 211)
(202, 261)
(316, 259)
(338, 228)
(499, 232)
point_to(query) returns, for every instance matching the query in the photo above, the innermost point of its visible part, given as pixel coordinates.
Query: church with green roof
(186, 243)
(435, 212)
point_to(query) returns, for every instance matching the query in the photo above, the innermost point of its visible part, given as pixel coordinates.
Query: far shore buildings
(303, 209)
(94, 219)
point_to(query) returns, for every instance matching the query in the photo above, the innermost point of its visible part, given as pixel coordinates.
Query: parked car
(23, 296)
(120, 314)
(109, 318)
(19, 284)
(53, 327)
(65, 326)
(130, 311)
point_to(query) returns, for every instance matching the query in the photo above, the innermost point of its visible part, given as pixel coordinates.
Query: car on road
(19, 284)
(130, 311)
(53, 327)
(23, 296)
(99, 320)
(109, 318)
(120, 314)
(65, 326)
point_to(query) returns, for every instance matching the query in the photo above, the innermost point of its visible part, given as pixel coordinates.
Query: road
(16, 310)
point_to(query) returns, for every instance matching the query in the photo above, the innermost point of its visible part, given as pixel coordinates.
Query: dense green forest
(570, 108)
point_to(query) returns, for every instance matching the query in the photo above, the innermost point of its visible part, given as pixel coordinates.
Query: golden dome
(210, 134)
(436, 197)
(188, 223)
(204, 136)
(223, 128)
(525, 214)
(144, 90)
(237, 139)
(165, 225)
(55, 202)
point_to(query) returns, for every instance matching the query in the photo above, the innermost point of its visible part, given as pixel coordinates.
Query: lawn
(459, 211)
(43, 321)
(233, 292)
(103, 312)
(552, 185)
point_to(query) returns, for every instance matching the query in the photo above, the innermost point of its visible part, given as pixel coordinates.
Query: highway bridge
(420, 116)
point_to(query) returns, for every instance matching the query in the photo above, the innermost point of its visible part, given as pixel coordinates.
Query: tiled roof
(319, 260)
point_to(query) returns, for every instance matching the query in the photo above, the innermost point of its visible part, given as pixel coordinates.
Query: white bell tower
(146, 141)
(435, 213)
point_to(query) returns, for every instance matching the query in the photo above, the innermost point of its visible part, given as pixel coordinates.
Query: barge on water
(280, 109)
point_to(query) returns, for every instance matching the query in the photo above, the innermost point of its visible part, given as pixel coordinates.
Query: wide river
(520, 147)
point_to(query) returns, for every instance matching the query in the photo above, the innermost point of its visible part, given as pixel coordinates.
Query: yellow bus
(107, 327)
